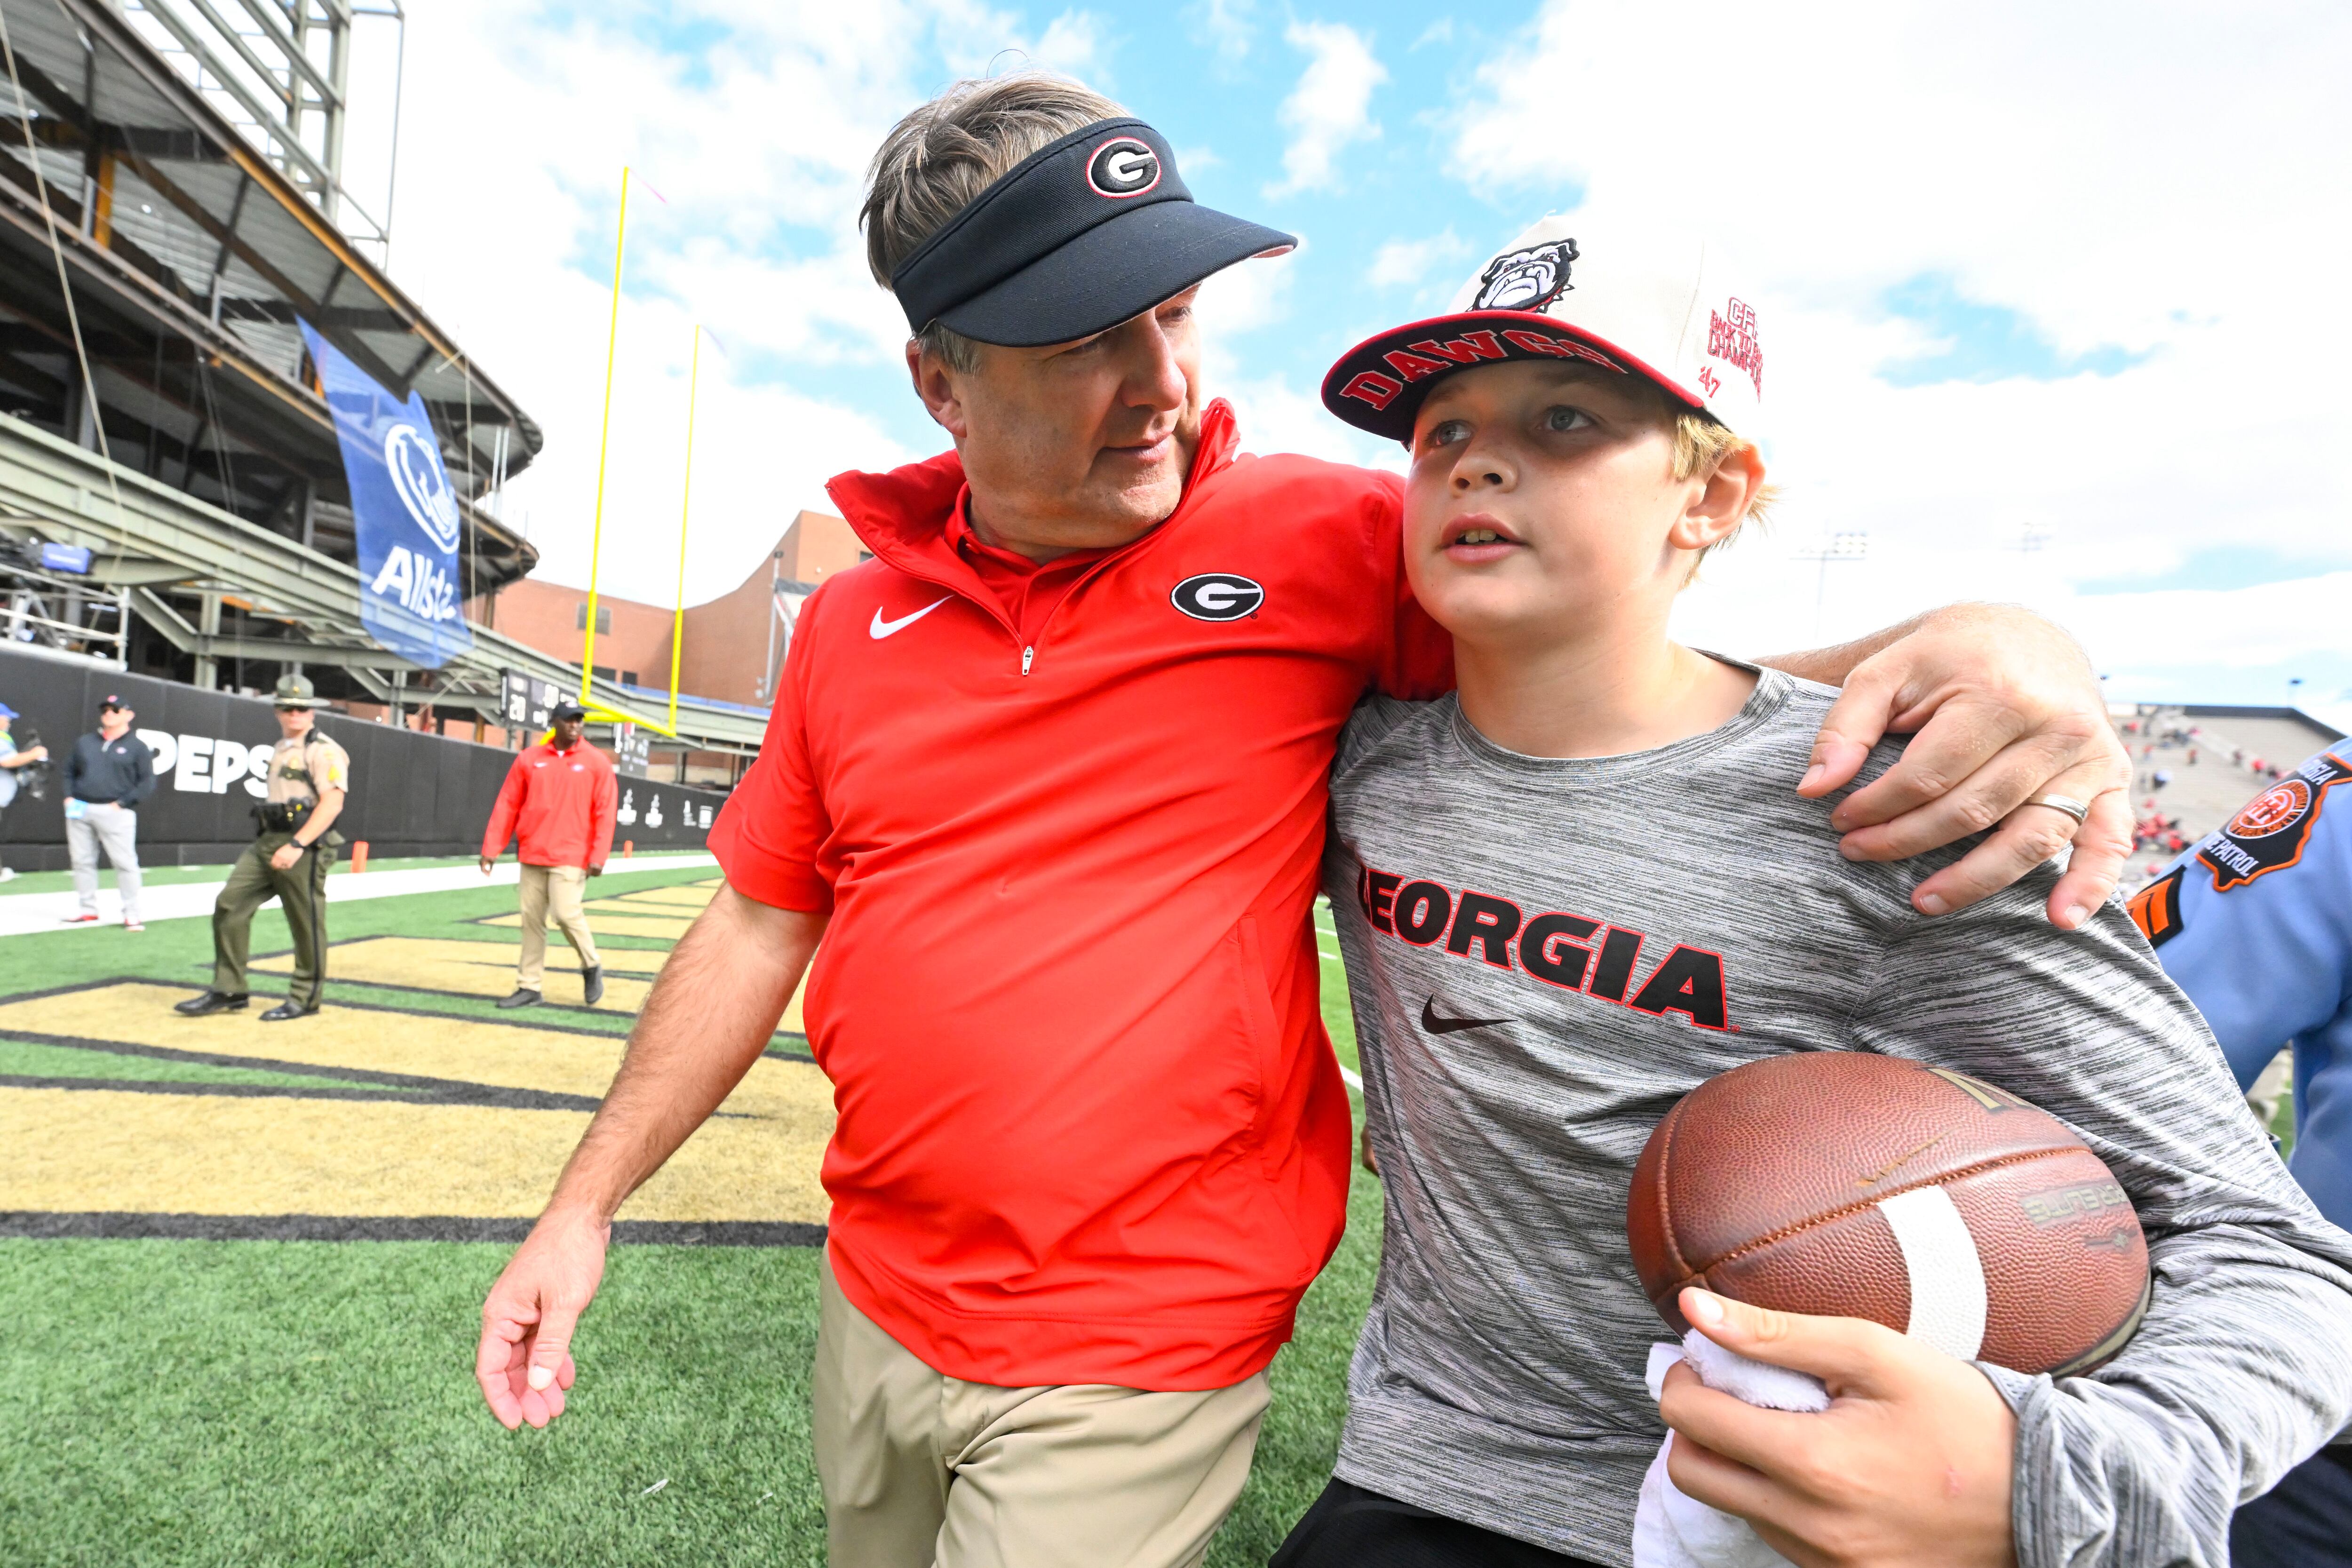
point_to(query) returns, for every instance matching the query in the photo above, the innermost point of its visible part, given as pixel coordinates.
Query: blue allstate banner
(402, 510)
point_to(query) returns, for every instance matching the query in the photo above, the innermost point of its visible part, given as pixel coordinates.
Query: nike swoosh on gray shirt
(1499, 1377)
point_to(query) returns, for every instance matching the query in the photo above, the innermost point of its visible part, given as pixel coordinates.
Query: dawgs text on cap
(1665, 310)
(1076, 237)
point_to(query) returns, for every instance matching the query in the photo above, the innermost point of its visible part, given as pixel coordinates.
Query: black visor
(1079, 236)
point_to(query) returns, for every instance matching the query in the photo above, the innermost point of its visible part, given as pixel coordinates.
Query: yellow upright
(685, 508)
(603, 440)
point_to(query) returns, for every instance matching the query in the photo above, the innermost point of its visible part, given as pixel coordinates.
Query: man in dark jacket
(111, 771)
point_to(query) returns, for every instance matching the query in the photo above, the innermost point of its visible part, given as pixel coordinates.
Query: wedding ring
(2080, 810)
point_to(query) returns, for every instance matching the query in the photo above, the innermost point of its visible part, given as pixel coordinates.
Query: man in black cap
(308, 778)
(1048, 776)
(109, 772)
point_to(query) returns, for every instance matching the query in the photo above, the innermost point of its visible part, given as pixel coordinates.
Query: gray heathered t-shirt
(1499, 1378)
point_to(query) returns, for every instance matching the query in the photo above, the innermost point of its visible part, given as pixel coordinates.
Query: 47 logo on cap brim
(2269, 833)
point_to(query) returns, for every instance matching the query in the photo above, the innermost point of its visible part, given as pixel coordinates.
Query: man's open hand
(2006, 708)
(1909, 1465)
(524, 1361)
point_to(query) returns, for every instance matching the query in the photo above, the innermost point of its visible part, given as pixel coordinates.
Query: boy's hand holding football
(1910, 1464)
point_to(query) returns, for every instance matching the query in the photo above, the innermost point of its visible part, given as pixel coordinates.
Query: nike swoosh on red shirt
(1437, 1026)
(882, 628)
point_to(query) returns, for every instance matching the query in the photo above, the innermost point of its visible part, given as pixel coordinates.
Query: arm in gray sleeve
(2243, 1365)
(74, 768)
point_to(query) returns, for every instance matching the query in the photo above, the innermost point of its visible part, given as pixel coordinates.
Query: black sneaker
(285, 1009)
(211, 1001)
(522, 998)
(591, 985)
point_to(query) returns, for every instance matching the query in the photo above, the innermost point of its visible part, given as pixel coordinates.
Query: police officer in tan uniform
(308, 776)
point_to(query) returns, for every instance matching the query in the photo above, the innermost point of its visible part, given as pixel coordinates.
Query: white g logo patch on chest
(1217, 596)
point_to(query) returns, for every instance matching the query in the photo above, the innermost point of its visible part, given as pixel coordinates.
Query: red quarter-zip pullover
(559, 805)
(1089, 1125)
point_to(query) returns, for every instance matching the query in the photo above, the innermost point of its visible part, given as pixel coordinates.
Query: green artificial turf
(165, 876)
(179, 952)
(1336, 1018)
(25, 1058)
(234, 1403)
(301, 1403)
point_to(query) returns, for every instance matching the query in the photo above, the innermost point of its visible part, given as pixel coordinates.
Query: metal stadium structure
(171, 208)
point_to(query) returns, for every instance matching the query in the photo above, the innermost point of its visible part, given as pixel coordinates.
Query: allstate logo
(424, 488)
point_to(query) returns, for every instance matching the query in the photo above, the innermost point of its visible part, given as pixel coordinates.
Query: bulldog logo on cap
(1525, 280)
(1123, 166)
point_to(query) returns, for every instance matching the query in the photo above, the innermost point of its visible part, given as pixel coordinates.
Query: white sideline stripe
(1947, 1282)
(1353, 1081)
(24, 913)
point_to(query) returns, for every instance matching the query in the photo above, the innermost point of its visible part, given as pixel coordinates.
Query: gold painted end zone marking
(602, 924)
(99, 1150)
(487, 969)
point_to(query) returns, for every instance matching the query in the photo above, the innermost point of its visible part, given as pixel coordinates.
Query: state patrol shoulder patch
(2269, 833)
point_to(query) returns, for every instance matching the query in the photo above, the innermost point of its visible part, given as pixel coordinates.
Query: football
(1843, 1184)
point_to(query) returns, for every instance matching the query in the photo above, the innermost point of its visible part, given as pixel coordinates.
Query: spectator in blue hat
(11, 760)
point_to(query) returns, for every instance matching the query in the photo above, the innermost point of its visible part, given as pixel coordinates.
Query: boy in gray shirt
(1580, 888)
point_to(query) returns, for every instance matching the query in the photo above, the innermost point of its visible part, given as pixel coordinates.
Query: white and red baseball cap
(1652, 305)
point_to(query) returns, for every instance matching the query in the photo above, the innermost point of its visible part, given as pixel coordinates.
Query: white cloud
(1227, 24)
(757, 240)
(2041, 160)
(1253, 294)
(1329, 108)
(1407, 262)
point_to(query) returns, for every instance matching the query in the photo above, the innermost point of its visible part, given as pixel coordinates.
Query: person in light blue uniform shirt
(2254, 922)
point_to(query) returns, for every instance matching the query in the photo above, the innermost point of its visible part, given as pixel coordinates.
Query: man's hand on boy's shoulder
(1910, 1464)
(2006, 709)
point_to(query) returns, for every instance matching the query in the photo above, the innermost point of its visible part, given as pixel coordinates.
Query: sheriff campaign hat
(1078, 236)
(296, 691)
(1650, 304)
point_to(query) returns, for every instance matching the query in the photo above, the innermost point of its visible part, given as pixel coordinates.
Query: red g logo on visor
(1123, 166)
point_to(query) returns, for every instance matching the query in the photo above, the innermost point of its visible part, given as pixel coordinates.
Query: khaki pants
(921, 1469)
(551, 890)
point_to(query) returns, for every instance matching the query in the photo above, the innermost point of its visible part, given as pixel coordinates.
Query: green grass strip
(22, 1058)
(313, 1402)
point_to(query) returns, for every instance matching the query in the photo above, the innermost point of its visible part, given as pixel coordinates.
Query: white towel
(1675, 1530)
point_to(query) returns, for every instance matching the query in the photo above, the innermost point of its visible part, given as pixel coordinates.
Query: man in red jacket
(558, 800)
(1048, 775)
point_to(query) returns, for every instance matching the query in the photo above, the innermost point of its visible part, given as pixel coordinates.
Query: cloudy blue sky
(2051, 293)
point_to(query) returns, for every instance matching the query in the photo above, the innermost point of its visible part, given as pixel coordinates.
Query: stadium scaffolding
(182, 171)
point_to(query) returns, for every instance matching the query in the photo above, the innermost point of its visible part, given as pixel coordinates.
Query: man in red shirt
(1048, 775)
(558, 800)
